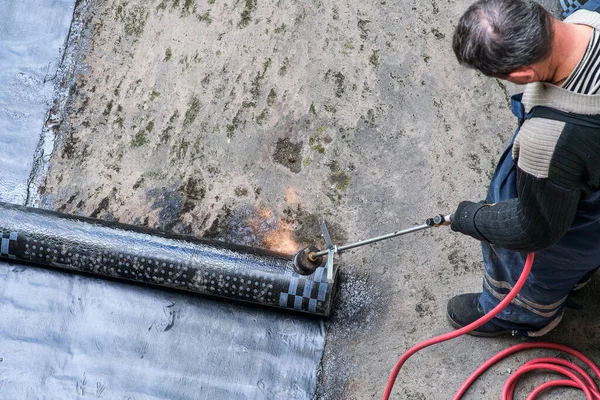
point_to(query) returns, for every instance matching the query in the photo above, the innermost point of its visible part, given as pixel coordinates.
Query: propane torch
(307, 260)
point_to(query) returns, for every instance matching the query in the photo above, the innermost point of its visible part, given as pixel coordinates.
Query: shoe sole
(455, 325)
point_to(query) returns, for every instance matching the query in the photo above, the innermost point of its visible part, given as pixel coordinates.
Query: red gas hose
(578, 378)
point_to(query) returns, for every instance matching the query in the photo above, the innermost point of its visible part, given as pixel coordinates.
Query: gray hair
(497, 37)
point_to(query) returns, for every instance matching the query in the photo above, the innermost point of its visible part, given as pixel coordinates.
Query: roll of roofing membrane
(153, 257)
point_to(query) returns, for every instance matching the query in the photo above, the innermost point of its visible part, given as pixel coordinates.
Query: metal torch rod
(373, 240)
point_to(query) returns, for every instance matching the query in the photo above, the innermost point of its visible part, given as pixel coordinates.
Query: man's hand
(464, 219)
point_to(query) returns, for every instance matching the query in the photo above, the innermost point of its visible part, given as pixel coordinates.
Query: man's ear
(522, 75)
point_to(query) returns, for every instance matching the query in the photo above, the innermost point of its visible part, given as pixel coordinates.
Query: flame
(276, 234)
(281, 240)
(269, 229)
(263, 213)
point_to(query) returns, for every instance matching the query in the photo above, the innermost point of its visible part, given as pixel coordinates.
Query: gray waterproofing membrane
(31, 35)
(67, 336)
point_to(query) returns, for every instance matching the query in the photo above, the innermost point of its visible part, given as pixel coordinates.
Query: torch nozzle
(306, 260)
(439, 220)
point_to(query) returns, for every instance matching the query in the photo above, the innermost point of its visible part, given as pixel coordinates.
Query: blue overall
(570, 6)
(539, 305)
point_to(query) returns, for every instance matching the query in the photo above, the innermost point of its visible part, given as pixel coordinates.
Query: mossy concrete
(245, 119)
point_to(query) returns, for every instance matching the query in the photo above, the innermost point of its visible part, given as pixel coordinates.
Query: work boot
(464, 309)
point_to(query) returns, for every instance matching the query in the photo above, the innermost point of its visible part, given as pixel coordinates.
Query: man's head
(500, 37)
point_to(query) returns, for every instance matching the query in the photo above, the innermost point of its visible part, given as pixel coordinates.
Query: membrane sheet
(66, 335)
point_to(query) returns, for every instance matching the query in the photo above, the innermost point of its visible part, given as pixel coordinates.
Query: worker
(544, 196)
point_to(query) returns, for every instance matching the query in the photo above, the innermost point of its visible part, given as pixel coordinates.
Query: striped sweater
(558, 164)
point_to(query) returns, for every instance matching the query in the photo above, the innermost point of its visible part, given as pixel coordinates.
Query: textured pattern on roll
(174, 261)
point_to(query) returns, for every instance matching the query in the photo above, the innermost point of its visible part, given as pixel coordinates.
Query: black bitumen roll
(153, 257)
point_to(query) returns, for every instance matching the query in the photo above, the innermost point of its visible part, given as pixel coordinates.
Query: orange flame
(281, 240)
(276, 234)
(262, 213)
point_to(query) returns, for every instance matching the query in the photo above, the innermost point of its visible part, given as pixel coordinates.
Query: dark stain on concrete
(138, 183)
(338, 178)
(362, 27)
(170, 204)
(69, 145)
(425, 306)
(193, 192)
(241, 191)
(339, 81)
(63, 207)
(219, 224)
(288, 154)
(194, 188)
(103, 206)
(244, 226)
(246, 17)
(192, 111)
(306, 226)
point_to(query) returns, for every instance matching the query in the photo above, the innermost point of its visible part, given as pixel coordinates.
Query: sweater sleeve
(536, 219)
